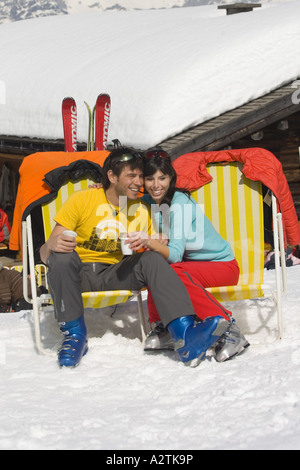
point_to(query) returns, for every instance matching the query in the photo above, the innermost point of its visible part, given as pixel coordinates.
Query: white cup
(70, 233)
(124, 246)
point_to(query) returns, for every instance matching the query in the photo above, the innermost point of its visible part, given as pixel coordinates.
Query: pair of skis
(97, 127)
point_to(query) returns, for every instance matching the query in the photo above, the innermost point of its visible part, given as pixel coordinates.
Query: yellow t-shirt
(98, 223)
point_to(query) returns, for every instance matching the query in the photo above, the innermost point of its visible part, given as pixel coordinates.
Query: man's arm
(57, 242)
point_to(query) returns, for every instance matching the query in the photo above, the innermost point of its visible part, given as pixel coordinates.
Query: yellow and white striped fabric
(50, 209)
(97, 299)
(40, 273)
(234, 205)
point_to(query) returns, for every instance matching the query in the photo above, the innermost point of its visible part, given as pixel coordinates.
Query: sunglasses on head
(126, 157)
(156, 153)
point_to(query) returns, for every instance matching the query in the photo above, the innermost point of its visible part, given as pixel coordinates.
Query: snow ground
(121, 398)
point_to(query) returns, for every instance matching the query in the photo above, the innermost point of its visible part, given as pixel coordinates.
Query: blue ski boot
(193, 339)
(74, 346)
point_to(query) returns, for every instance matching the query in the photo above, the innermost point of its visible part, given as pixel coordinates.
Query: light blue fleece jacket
(192, 236)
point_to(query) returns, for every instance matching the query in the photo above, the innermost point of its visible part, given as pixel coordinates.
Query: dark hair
(118, 159)
(152, 165)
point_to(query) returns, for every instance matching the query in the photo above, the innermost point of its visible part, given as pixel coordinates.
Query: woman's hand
(138, 240)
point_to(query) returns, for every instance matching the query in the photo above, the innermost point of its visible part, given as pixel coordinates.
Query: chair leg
(37, 332)
(282, 252)
(280, 285)
(277, 229)
(28, 249)
(141, 316)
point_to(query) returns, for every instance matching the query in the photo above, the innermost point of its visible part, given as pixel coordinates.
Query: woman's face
(157, 185)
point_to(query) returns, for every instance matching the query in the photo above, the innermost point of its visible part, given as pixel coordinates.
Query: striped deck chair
(234, 205)
(40, 273)
(99, 299)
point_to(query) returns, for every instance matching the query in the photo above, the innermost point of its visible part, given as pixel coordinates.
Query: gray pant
(68, 277)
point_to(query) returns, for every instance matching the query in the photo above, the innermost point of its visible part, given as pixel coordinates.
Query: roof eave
(220, 131)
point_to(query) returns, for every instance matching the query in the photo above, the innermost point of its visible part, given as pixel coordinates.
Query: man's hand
(57, 242)
(61, 243)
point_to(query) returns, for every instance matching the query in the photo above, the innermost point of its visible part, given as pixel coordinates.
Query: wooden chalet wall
(13, 150)
(284, 144)
(13, 163)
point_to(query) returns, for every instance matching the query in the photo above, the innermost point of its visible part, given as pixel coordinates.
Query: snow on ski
(102, 115)
(90, 136)
(69, 116)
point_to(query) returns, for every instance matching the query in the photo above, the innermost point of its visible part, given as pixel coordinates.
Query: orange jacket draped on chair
(32, 187)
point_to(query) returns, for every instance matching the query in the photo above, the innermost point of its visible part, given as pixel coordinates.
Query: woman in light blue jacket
(198, 254)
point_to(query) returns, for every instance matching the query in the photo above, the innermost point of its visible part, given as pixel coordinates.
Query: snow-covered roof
(223, 130)
(165, 70)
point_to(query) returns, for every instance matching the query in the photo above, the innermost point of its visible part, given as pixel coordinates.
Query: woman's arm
(158, 244)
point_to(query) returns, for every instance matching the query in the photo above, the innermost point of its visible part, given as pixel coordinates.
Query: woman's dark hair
(118, 159)
(152, 165)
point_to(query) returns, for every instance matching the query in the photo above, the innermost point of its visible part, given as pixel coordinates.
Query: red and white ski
(102, 115)
(69, 116)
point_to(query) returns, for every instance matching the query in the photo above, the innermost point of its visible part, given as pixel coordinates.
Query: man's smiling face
(128, 183)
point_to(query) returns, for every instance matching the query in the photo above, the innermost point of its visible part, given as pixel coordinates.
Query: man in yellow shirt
(94, 261)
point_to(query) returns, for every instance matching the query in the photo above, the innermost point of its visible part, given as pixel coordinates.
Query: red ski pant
(196, 276)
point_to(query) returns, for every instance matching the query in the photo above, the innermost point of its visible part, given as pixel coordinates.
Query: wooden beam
(234, 8)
